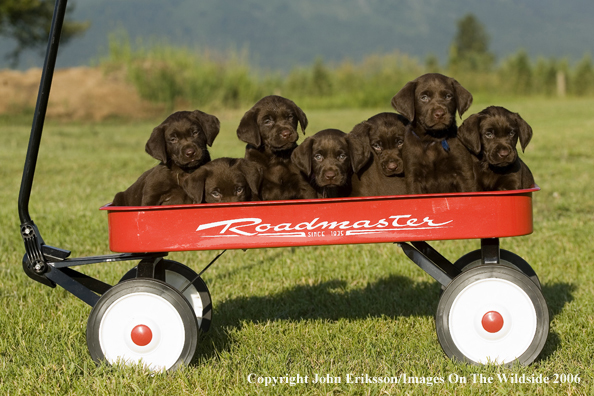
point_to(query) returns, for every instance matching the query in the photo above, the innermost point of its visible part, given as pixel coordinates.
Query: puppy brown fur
(224, 180)
(179, 143)
(383, 174)
(270, 130)
(435, 160)
(329, 158)
(491, 136)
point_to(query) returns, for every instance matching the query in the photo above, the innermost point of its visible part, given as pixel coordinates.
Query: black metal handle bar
(41, 109)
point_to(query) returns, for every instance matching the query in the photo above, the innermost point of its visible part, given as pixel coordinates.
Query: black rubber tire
(507, 258)
(205, 316)
(501, 274)
(138, 288)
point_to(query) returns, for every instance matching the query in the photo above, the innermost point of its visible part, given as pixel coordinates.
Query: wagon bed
(336, 221)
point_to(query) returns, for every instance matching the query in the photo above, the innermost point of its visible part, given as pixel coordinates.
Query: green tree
(432, 64)
(545, 76)
(516, 73)
(583, 78)
(29, 21)
(470, 49)
(321, 79)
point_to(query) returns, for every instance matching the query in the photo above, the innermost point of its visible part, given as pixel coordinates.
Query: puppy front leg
(468, 182)
(415, 182)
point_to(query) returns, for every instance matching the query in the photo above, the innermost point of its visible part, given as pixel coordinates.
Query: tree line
(181, 76)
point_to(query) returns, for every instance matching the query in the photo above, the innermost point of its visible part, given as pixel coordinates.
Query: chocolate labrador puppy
(435, 160)
(179, 143)
(491, 136)
(270, 130)
(224, 180)
(384, 173)
(328, 159)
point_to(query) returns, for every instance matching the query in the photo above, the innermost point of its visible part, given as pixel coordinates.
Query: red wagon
(491, 309)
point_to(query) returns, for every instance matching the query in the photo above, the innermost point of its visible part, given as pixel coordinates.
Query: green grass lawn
(334, 310)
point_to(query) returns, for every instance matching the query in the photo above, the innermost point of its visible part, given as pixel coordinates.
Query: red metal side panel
(320, 222)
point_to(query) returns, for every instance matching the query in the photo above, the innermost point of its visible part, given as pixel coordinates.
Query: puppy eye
(489, 134)
(399, 142)
(318, 157)
(342, 157)
(216, 194)
(377, 146)
(449, 96)
(424, 98)
(238, 190)
(512, 133)
(268, 121)
(195, 132)
(173, 139)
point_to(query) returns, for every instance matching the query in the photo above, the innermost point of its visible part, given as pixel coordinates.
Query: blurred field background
(149, 80)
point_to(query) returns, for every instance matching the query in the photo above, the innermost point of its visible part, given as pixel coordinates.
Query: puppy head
(272, 122)
(182, 138)
(330, 157)
(494, 132)
(384, 134)
(224, 180)
(431, 101)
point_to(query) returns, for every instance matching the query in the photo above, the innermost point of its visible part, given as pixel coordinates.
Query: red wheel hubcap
(141, 335)
(492, 321)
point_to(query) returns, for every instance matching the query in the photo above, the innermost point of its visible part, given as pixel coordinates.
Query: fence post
(561, 85)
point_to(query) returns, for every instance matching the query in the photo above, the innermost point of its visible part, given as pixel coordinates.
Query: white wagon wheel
(185, 279)
(492, 314)
(143, 321)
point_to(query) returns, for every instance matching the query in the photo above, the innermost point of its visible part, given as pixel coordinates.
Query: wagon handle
(29, 232)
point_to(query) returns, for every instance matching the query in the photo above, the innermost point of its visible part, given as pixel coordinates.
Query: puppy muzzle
(330, 177)
(502, 155)
(190, 155)
(391, 167)
(438, 117)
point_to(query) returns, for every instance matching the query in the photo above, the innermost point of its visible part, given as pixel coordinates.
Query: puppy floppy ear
(193, 185)
(359, 151)
(156, 146)
(361, 131)
(301, 117)
(525, 132)
(463, 97)
(404, 100)
(248, 130)
(469, 133)
(301, 156)
(253, 173)
(210, 125)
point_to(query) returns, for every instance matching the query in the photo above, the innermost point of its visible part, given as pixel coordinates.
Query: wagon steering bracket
(440, 268)
(430, 261)
(203, 271)
(38, 254)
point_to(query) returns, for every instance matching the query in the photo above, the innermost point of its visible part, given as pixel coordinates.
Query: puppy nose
(439, 113)
(330, 175)
(286, 134)
(189, 152)
(503, 153)
(392, 165)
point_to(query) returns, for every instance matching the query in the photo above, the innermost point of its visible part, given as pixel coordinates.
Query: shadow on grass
(557, 295)
(393, 296)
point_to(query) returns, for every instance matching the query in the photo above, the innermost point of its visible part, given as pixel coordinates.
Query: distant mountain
(279, 34)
